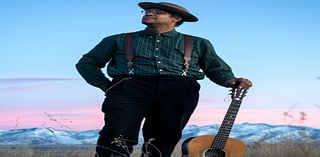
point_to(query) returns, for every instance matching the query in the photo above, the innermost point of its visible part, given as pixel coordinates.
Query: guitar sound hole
(214, 152)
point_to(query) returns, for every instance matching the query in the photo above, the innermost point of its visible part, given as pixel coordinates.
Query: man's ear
(178, 18)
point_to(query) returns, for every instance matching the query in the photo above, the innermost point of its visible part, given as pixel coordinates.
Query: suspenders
(129, 50)
(187, 53)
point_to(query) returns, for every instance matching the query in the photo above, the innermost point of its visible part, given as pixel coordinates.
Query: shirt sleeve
(213, 66)
(89, 66)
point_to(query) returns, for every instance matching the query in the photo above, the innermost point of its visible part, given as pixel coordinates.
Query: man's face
(159, 17)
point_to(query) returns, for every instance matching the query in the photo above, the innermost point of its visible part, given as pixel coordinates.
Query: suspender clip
(130, 71)
(184, 72)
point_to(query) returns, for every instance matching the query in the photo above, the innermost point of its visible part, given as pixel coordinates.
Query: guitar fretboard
(226, 126)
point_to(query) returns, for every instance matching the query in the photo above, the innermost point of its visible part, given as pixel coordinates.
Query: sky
(274, 43)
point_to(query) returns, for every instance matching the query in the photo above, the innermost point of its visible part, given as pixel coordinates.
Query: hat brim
(186, 16)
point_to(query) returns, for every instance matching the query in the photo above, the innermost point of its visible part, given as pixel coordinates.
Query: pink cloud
(306, 117)
(90, 117)
(29, 83)
(34, 79)
(81, 118)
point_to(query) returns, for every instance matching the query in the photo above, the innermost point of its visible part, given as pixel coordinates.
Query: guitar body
(220, 145)
(200, 146)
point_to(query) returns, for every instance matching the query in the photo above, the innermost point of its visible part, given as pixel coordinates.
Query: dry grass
(283, 150)
(47, 151)
(254, 150)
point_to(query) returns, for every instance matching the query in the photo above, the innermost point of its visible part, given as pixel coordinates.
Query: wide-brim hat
(171, 8)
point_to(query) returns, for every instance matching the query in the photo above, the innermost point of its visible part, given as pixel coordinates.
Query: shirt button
(159, 62)
(157, 40)
(160, 70)
(156, 56)
(150, 36)
(157, 49)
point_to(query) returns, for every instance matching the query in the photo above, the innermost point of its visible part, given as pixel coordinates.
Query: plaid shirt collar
(150, 33)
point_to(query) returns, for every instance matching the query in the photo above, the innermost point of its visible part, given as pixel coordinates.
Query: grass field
(254, 150)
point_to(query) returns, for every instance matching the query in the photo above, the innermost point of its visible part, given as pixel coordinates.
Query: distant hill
(245, 132)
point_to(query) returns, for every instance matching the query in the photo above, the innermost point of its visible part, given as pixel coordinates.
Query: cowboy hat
(171, 8)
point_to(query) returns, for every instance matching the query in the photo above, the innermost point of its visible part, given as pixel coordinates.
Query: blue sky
(273, 43)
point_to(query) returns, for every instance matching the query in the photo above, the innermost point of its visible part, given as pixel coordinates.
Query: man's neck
(159, 29)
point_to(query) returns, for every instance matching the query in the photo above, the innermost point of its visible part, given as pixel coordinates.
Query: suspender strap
(187, 53)
(129, 50)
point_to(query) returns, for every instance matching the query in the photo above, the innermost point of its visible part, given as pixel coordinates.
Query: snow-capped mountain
(264, 133)
(245, 132)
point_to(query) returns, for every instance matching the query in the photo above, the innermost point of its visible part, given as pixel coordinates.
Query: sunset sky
(275, 43)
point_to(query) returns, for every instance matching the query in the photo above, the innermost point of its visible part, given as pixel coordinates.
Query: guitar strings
(236, 97)
(228, 120)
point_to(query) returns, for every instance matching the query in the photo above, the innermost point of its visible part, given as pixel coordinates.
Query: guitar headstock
(238, 93)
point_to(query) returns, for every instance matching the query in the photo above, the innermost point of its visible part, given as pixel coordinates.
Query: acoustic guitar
(220, 145)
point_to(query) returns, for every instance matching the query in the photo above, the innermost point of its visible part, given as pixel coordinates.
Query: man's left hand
(239, 83)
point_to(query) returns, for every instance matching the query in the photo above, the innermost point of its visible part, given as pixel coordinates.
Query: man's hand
(239, 83)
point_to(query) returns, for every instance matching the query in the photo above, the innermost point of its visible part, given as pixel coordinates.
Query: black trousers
(165, 104)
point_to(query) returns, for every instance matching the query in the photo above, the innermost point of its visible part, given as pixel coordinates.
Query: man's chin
(145, 22)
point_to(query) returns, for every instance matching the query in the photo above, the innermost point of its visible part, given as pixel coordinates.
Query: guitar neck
(226, 126)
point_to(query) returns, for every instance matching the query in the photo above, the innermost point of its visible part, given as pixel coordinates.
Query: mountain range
(246, 132)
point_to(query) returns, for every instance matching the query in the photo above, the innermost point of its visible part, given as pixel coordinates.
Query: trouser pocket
(115, 83)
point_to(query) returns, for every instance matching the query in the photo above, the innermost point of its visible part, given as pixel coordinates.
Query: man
(155, 73)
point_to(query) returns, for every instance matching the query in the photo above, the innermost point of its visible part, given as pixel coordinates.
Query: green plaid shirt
(154, 55)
